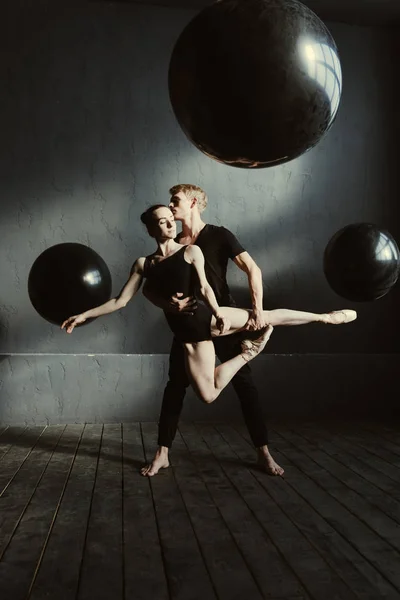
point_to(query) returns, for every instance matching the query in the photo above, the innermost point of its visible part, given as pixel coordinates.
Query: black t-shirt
(218, 245)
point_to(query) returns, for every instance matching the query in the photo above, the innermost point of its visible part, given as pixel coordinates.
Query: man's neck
(192, 226)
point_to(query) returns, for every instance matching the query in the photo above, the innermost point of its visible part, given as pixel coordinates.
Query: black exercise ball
(255, 83)
(361, 262)
(68, 279)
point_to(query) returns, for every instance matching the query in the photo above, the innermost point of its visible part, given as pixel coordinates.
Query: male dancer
(218, 245)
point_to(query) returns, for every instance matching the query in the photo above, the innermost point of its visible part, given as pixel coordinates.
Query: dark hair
(147, 216)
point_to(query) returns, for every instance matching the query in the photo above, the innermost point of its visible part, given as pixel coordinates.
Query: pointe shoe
(344, 316)
(251, 348)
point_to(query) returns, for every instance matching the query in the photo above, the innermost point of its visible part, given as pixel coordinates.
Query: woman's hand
(223, 324)
(71, 322)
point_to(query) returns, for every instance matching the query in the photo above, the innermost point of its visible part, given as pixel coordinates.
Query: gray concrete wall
(107, 388)
(88, 140)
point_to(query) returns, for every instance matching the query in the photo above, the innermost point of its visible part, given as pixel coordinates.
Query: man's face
(163, 225)
(180, 206)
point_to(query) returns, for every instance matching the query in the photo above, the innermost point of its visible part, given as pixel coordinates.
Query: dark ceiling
(362, 12)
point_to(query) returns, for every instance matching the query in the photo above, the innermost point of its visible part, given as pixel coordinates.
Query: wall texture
(44, 389)
(89, 140)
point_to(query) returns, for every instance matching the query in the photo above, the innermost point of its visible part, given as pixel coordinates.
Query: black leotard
(175, 274)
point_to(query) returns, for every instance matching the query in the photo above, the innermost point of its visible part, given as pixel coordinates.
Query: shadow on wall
(371, 333)
(43, 390)
(92, 111)
(136, 329)
(298, 284)
(293, 278)
(3, 328)
(88, 144)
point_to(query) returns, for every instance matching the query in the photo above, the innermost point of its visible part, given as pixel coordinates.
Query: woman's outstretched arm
(128, 291)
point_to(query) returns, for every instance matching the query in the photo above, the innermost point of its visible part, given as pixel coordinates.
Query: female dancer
(174, 267)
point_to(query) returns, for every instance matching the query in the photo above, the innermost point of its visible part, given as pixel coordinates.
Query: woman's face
(163, 224)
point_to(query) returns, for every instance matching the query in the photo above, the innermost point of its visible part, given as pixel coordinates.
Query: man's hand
(179, 305)
(223, 324)
(256, 321)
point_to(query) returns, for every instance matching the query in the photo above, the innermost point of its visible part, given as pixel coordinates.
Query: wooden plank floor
(77, 521)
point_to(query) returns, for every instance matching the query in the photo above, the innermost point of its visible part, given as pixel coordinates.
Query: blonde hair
(191, 191)
(147, 217)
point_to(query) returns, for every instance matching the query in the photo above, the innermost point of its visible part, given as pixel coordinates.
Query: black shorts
(192, 328)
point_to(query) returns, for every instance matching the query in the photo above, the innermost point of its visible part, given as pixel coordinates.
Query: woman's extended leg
(207, 380)
(282, 316)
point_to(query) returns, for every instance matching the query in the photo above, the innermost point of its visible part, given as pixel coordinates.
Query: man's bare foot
(160, 461)
(266, 461)
(339, 317)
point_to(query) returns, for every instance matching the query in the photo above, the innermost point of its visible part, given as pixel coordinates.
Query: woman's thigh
(200, 367)
(238, 318)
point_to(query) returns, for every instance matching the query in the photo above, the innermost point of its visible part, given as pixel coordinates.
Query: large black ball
(362, 262)
(255, 83)
(68, 279)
